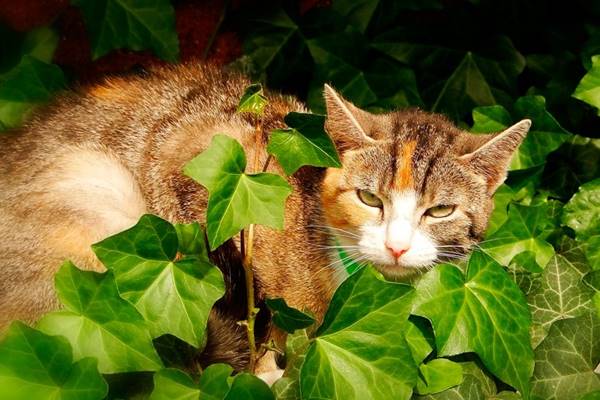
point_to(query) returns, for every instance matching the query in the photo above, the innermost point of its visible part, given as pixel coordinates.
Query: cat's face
(414, 189)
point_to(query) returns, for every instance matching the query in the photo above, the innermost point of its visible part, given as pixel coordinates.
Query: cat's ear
(492, 154)
(346, 124)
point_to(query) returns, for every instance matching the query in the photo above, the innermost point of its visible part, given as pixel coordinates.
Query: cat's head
(414, 189)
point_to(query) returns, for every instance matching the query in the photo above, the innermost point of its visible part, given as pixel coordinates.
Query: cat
(413, 189)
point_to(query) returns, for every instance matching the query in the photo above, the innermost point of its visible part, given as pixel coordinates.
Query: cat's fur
(90, 164)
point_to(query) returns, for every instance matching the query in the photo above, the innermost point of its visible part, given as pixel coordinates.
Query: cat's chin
(399, 272)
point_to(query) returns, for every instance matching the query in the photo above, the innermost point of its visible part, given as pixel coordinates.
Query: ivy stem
(247, 248)
(249, 275)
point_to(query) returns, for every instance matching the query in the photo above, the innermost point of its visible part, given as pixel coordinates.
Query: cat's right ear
(346, 124)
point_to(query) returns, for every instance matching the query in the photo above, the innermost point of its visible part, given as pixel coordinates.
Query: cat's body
(93, 162)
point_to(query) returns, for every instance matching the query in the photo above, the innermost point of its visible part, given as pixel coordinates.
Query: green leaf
(304, 143)
(275, 45)
(236, 199)
(526, 229)
(438, 375)
(174, 296)
(545, 135)
(476, 385)
(595, 395)
(136, 25)
(253, 100)
(566, 359)
(288, 387)
(340, 60)
(419, 337)
(173, 384)
(351, 356)
(465, 88)
(560, 294)
(35, 366)
(483, 77)
(287, 318)
(588, 89)
(582, 214)
(40, 43)
(502, 198)
(30, 83)
(505, 395)
(484, 312)
(249, 387)
(98, 323)
(191, 240)
(576, 162)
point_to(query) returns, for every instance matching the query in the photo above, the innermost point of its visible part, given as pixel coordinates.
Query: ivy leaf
(98, 323)
(275, 45)
(249, 387)
(36, 366)
(560, 294)
(419, 337)
(288, 387)
(236, 199)
(174, 296)
(304, 143)
(465, 88)
(545, 135)
(526, 229)
(173, 384)
(191, 240)
(484, 312)
(576, 162)
(438, 375)
(475, 385)
(565, 360)
(253, 100)
(588, 89)
(351, 356)
(287, 318)
(582, 214)
(28, 84)
(478, 78)
(40, 43)
(340, 60)
(116, 24)
(502, 198)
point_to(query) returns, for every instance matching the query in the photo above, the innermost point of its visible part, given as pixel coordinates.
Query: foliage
(518, 320)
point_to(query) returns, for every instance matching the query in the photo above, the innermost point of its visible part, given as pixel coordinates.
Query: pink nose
(397, 252)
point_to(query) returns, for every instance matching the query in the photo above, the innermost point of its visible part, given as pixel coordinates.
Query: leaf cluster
(520, 319)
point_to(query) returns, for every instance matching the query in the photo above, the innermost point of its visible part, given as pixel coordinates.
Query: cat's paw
(269, 377)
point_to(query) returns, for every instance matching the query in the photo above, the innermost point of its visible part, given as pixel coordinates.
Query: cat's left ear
(491, 158)
(347, 124)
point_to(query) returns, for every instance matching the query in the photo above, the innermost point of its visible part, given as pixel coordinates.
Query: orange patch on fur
(339, 206)
(112, 90)
(404, 177)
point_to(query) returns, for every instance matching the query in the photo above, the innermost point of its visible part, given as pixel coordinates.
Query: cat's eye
(440, 211)
(369, 198)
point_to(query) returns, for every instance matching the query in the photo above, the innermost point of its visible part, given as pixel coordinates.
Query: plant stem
(247, 249)
(214, 34)
(252, 310)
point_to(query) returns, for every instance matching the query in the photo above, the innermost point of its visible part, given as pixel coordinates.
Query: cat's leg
(267, 368)
(82, 196)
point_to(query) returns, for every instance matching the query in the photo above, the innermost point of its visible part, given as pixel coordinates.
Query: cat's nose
(396, 251)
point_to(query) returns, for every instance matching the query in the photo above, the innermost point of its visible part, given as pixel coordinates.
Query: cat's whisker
(330, 228)
(340, 262)
(343, 247)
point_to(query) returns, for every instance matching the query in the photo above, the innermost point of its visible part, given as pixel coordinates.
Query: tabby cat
(414, 189)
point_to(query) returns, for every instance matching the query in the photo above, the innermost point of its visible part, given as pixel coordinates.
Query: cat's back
(120, 112)
(92, 162)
